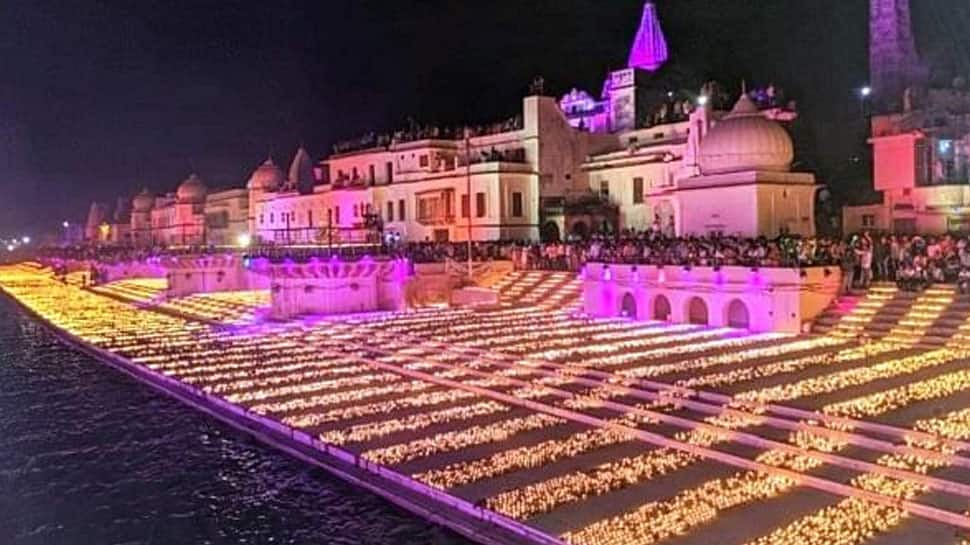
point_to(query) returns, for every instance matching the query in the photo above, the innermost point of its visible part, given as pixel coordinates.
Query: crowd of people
(415, 131)
(913, 262)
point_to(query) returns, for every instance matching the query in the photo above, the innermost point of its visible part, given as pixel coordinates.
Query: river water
(89, 456)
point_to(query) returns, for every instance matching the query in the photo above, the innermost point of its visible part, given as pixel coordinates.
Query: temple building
(638, 157)
(920, 137)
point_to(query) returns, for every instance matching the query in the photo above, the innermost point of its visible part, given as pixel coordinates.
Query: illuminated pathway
(589, 431)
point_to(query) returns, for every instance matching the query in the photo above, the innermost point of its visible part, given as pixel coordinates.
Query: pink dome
(192, 190)
(143, 202)
(266, 177)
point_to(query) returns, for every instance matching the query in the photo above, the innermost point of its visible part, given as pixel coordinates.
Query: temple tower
(894, 64)
(649, 50)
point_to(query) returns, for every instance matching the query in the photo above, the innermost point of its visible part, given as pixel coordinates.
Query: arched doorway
(661, 308)
(580, 229)
(549, 232)
(697, 311)
(737, 315)
(628, 308)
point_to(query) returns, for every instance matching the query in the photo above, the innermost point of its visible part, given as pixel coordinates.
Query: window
(272, 218)
(336, 214)
(260, 219)
(516, 204)
(355, 175)
(423, 161)
(390, 210)
(924, 174)
(464, 205)
(372, 175)
(400, 211)
(480, 205)
(868, 220)
(309, 218)
(638, 191)
(355, 210)
(605, 189)
(389, 171)
(329, 216)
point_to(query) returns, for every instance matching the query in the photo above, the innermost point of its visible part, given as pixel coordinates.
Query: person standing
(865, 265)
(847, 264)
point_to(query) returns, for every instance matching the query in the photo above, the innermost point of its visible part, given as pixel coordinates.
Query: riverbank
(466, 519)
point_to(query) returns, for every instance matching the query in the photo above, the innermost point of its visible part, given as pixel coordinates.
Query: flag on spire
(649, 50)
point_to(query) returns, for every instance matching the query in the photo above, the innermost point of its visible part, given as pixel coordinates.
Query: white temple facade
(559, 167)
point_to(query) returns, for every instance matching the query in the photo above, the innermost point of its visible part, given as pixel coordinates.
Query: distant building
(625, 160)
(920, 137)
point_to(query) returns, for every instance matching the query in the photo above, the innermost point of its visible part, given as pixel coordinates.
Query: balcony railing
(431, 221)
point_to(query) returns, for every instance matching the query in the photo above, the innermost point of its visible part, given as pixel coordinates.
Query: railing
(437, 220)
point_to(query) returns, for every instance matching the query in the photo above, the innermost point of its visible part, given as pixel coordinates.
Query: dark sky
(102, 98)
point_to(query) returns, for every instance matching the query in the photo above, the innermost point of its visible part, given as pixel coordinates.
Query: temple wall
(187, 276)
(761, 300)
(335, 287)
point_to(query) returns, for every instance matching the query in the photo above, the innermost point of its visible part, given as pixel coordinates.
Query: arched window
(737, 315)
(697, 311)
(628, 308)
(661, 308)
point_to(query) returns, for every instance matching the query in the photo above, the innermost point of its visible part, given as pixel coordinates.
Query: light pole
(864, 93)
(468, 190)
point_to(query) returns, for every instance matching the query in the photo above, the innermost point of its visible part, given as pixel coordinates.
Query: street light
(702, 100)
(244, 240)
(864, 93)
(25, 240)
(66, 224)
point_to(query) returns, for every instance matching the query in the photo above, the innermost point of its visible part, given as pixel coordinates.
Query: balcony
(437, 221)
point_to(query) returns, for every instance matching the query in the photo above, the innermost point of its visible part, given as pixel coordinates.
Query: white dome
(192, 190)
(143, 202)
(746, 140)
(266, 177)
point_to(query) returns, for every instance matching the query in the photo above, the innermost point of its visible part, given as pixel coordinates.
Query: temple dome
(266, 177)
(143, 202)
(746, 140)
(192, 190)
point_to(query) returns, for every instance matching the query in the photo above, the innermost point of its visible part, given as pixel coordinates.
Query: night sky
(102, 98)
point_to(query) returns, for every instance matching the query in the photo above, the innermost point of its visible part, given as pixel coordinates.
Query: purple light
(607, 273)
(649, 51)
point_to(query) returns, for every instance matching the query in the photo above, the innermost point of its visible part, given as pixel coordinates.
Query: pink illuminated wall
(894, 162)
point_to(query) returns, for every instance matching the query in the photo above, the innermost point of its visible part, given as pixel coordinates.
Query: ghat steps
(932, 318)
(544, 289)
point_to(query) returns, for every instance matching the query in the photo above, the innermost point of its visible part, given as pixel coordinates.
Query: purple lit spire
(649, 50)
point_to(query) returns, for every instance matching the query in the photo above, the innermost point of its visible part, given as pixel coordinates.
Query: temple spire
(649, 51)
(894, 63)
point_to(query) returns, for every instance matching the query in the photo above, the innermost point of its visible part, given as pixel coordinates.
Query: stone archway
(580, 229)
(697, 311)
(661, 308)
(628, 308)
(737, 315)
(549, 232)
